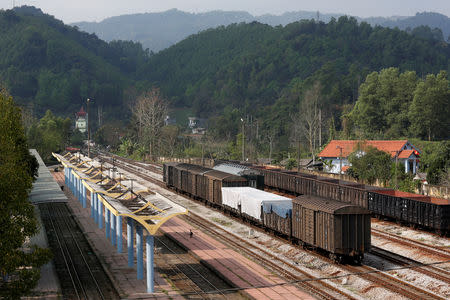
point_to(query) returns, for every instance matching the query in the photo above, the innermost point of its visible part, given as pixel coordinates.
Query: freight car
(345, 227)
(341, 229)
(406, 208)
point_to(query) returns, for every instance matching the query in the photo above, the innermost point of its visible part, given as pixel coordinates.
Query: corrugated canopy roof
(148, 208)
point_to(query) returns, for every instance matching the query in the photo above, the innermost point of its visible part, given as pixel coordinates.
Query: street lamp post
(243, 140)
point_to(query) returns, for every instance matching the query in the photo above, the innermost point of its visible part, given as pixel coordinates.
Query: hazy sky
(97, 10)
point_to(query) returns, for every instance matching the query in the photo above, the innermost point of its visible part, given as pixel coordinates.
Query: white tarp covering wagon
(249, 201)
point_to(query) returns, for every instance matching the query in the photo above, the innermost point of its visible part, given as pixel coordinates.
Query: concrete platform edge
(206, 264)
(122, 294)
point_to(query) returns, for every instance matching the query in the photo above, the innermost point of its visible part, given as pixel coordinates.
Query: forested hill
(159, 30)
(255, 66)
(55, 66)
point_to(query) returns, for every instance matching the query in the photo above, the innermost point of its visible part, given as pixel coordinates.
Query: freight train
(405, 208)
(340, 229)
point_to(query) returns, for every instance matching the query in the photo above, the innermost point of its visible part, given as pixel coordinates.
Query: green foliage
(393, 105)
(291, 163)
(19, 270)
(50, 134)
(370, 164)
(430, 109)
(55, 66)
(261, 70)
(435, 160)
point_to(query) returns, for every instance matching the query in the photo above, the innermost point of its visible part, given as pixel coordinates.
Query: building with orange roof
(338, 151)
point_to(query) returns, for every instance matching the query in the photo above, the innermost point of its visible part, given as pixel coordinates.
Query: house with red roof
(401, 151)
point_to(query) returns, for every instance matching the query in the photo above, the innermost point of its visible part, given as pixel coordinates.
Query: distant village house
(81, 120)
(400, 150)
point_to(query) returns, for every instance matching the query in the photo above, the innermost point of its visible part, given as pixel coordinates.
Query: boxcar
(254, 176)
(278, 217)
(342, 229)
(215, 180)
(197, 181)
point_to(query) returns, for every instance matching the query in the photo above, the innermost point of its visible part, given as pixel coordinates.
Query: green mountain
(157, 31)
(55, 66)
(263, 70)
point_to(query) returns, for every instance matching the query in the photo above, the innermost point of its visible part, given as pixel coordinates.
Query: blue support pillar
(100, 214)
(95, 207)
(84, 194)
(92, 205)
(150, 273)
(139, 253)
(70, 181)
(78, 189)
(130, 242)
(107, 222)
(113, 229)
(119, 234)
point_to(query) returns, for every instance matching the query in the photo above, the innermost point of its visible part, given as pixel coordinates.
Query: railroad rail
(185, 276)
(266, 258)
(373, 275)
(271, 261)
(440, 252)
(431, 271)
(390, 282)
(80, 272)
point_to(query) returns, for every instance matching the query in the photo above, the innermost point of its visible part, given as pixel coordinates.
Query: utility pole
(243, 139)
(89, 129)
(340, 161)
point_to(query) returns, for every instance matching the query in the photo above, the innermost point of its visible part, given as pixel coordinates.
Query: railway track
(400, 260)
(371, 274)
(269, 260)
(439, 252)
(319, 288)
(79, 270)
(193, 279)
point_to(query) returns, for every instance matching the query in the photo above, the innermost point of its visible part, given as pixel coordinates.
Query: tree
(430, 108)
(370, 164)
(435, 161)
(150, 111)
(19, 270)
(309, 116)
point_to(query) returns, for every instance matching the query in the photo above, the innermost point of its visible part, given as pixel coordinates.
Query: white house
(81, 120)
(400, 150)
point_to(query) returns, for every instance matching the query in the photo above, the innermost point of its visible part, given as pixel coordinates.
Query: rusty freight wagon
(215, 180)
(411, 209)
(168, 173)
(341, 229)
(278, 217)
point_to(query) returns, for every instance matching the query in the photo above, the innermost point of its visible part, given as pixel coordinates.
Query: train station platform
(254, 280)
(116, 264)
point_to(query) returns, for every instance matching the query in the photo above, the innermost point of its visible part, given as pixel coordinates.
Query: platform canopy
(148, 208)
(45, 189)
